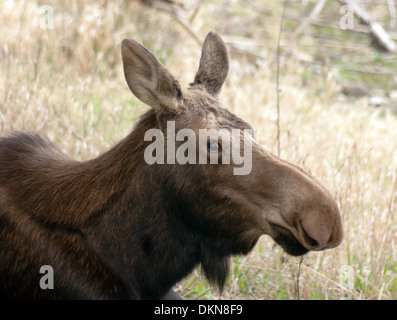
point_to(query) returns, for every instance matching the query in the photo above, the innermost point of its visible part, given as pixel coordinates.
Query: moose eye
(213, 146)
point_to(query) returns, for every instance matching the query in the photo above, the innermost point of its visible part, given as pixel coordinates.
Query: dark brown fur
(116, 227)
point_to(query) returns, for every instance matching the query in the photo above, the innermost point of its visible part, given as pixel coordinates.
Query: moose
(116, 227)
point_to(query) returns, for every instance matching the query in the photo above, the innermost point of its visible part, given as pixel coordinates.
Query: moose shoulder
(118, 227)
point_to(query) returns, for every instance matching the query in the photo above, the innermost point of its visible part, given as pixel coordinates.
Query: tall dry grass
(67, 83)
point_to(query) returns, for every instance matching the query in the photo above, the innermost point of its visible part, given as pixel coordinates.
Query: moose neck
(94, 184)
(90, 186)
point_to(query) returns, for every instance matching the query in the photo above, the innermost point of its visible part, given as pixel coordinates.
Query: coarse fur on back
(116, 227)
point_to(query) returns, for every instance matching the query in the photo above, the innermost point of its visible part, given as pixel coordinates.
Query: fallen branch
(377, 31)
(314, 22)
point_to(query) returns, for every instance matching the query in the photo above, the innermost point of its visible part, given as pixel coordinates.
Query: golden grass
(67, 83)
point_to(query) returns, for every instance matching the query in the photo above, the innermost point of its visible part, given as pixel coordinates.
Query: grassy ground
(67, 83)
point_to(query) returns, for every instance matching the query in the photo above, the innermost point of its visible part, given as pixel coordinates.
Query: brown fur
(117, 227)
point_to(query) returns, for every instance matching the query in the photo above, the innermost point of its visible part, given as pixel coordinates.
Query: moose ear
(214, 64)
(148, 79)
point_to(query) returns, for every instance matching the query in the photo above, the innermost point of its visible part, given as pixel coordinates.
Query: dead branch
(377, 31)
(314, 21)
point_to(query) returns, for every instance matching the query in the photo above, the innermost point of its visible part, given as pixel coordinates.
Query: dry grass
(67, 83)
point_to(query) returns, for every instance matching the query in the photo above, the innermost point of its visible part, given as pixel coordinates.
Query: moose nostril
(309, 240)
(312, 242)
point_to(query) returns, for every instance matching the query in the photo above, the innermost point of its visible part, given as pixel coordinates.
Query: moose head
(229, 211)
